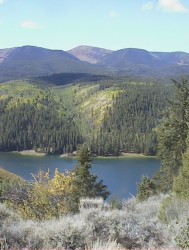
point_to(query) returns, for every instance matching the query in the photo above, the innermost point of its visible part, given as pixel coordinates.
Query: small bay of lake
(121, 175)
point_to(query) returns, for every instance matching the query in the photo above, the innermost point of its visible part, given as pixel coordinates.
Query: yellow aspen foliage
(46, 197)
(62, 183)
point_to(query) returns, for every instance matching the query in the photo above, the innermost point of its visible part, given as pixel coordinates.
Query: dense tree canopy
(129, 124)
(110, 116)
(172, 135)
(172, 146)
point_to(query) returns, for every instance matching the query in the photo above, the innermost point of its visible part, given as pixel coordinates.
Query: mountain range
(31, 61)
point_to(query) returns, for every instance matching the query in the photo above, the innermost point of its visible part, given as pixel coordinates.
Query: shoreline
(29, 153)
(127, 156)
(121, 156)
(135, 155)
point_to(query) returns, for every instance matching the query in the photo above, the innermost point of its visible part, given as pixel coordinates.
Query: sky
(154, 25)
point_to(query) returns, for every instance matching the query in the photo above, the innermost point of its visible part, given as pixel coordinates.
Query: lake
(121, 175)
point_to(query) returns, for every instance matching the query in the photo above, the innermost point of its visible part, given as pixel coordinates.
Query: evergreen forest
(110, 116)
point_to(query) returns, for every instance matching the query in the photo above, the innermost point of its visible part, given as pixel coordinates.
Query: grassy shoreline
(29, 153)
(122, 156)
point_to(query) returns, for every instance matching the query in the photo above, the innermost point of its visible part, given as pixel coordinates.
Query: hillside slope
(8, 181)
(30, 61)
(111, 116)
(142, 63)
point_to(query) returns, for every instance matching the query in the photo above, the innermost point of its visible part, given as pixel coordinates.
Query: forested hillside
(129, 123)
(110, 116)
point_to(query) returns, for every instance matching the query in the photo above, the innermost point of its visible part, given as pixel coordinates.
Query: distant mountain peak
(89, 53)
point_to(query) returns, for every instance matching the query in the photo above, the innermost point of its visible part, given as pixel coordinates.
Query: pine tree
(86, 183)
(146, 188)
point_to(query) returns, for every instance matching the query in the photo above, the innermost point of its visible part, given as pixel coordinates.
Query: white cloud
(172, 5)
(148, 6)
(113, 14)
(2, 1)
(29, 25)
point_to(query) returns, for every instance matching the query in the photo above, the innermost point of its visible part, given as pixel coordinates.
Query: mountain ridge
(32, 61)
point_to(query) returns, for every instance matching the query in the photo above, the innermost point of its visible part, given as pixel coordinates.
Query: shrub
(135, 226)
(8, 181)
(7, 215)
(108, 245)
(174, 210)
(89, 203)
(44, 198)
(183, 238)
(129, 205)
(115, 203)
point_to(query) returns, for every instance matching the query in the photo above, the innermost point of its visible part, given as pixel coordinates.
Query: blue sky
(155, 25)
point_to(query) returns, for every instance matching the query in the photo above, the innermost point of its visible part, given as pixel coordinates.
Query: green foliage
(172, 135)
(172, 144)
(174, 211)
(146, 188)
(115, 203)
(165, 209)
(181, 182)
(86, 183)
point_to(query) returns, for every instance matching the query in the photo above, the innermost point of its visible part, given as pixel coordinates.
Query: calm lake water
(121, 175)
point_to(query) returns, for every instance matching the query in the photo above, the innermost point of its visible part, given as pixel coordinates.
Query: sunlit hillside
(111, 116)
